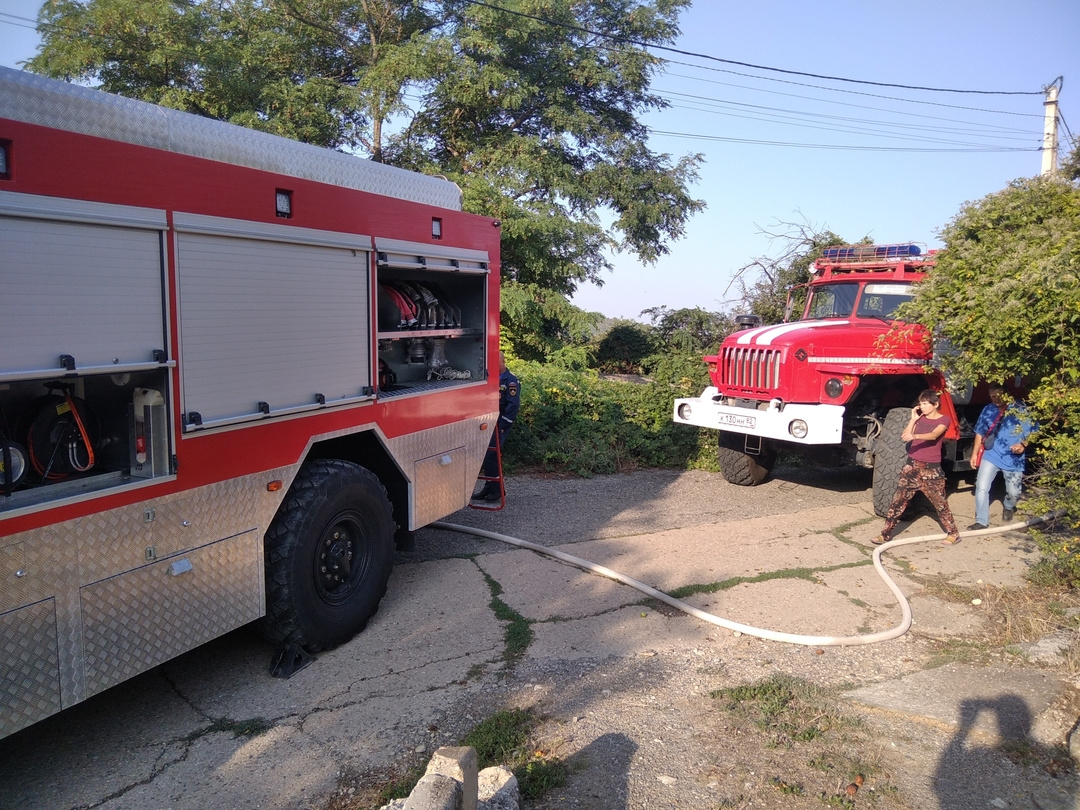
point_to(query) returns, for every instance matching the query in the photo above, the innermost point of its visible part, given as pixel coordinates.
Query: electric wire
(906, 114)
(745, 629)
(641, 44)
(842, 147)
(781, 115)
(840, 90)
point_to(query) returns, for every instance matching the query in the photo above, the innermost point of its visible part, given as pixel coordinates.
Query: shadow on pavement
(970, 775)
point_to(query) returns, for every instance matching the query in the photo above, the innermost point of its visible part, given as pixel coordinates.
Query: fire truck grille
(743, 367)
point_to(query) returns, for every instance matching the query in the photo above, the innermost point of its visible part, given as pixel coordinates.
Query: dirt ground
(693, 716)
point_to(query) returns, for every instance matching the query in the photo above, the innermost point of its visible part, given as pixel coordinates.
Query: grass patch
(252, 727)
(808, 574)
(506, 738)
(959, 651)
(1014, 616)
(518, 634)
(786, 709)
(401, 785)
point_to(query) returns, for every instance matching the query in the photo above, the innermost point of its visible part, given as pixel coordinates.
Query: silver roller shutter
(268, 319)
(78, 279)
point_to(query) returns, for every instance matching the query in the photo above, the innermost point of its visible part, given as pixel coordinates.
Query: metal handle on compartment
(180, 567)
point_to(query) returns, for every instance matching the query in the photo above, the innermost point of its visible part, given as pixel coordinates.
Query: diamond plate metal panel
(125, 538)
(29, 671)
(469, 438)
(140, 619)
(439, 482)
(45, 102)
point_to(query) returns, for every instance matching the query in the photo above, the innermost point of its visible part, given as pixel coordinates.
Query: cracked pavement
(430, 662)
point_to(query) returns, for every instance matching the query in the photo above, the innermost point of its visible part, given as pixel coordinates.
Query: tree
(535, 116)
(1005, 293)
(624, 347)
(543, 326)
(691, 330)
(532, 107)
(326, 72)
(766, 282)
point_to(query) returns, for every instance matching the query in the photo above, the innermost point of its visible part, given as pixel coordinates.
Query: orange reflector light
(274, 486)
(483, 426)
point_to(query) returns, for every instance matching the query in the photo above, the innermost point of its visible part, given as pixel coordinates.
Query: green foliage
(691, 331)
(1060, 562)
(505, 739)
(327, 72)
(1069, 168)
(766, 283)
(624, 347)
(543, 326)
(1006, 295)
(536, 121)
(577, 422)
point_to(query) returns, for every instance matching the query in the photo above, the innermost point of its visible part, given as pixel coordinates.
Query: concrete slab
(994, 703)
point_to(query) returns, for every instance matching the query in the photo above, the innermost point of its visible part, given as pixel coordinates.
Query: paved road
(430, 663)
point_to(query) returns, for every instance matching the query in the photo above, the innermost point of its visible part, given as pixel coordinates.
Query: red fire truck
(829, 386)
(233, 369)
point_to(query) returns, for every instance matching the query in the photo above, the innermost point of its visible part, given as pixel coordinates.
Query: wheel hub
(335, 560)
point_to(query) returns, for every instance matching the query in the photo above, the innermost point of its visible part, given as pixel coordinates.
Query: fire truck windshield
(880, 300)
(831, 301)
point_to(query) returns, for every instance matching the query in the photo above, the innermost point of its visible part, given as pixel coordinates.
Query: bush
(576, 422)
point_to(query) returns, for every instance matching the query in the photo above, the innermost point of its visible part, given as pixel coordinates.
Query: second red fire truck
(830, 385)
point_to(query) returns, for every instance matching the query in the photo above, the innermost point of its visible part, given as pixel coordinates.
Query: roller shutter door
(91, 291)
(269, 321)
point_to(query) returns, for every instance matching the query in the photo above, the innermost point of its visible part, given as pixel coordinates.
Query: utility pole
(1050, 120)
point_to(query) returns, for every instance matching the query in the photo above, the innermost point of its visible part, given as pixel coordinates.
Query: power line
(17, 24)
(640, 44)
(781, 113)
(759, 142)
(830, 89)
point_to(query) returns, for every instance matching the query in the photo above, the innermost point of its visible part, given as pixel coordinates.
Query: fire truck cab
(233, 368)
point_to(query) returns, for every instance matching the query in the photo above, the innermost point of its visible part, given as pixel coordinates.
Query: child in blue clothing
(1001, 438)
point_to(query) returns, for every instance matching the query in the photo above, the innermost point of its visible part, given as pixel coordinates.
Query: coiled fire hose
(758, 632)
(72, 447)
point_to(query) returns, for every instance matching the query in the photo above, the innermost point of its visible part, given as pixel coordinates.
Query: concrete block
(435, 792)
(498, 789)
(460, 763)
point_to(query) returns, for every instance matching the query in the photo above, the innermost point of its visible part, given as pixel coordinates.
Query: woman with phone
(924, 434)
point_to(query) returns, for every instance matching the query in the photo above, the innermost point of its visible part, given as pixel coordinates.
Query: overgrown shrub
(577, 422)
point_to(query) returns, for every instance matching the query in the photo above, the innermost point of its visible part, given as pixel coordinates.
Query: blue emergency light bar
(868, 253)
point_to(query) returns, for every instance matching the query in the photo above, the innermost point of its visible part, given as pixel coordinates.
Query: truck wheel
(329, 551)
(739, 467)
(890, 456)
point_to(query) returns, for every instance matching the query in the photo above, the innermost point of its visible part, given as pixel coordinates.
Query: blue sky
(837, 183)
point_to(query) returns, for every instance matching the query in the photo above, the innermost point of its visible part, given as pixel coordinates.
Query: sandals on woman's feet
(880, 540)
(951, 540)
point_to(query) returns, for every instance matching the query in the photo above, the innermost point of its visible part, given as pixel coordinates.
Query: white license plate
(737, 420)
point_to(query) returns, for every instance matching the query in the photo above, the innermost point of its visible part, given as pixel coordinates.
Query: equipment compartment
(64, 437)
(431, 315)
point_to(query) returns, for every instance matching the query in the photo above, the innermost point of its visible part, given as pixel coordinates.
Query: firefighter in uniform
(509, 401)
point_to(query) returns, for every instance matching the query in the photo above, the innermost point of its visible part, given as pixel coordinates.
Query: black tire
(329, 553)
(739, 467)
(890, 456)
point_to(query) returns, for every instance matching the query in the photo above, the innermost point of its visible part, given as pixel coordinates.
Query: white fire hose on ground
(772, 635)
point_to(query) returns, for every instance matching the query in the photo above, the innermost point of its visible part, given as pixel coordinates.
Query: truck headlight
(833, 387)
(685, 411)
(797, 428)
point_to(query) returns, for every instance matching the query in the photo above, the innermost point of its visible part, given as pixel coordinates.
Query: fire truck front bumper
(774, 419)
